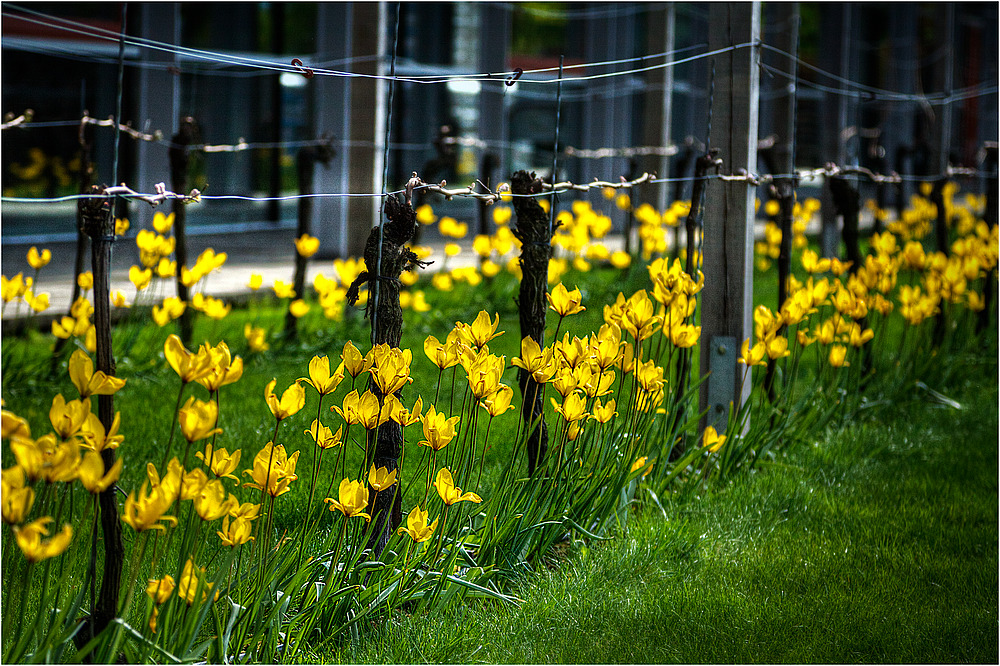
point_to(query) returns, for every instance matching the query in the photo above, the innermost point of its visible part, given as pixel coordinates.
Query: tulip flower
(211, 503)
(753, 356)
(38, 260)
(188, 366)
(838, 356)
(449, 493)
(417, 527)
(381, 478)
(224, 369)
(292, 400)
(777, 347)
(320, 377)
(85, 280)
(499, 401)
(198, 418)
(572, 409)
(299, 308)
(94, 436)
(256, 337)
(603, 413)
(712, 440)
(353, 361)
(398, 412)
(306, 245)
(443, 355)
(91, 472)
(67, 418)
(16, 497)
(323, 436)
(193, 579)
(140, 278)
(536, 361)
(13, 425)
(391, 368)
(353, 496)
(284, 289)
(220, 461)
(482, 330)
(88, 382)
(273, 470)
(564, 302)
(163, 222)
(438, 429)
(235, 533)
(160, 589)
(29, 540)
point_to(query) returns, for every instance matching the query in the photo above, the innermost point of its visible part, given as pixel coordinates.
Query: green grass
(877, 543)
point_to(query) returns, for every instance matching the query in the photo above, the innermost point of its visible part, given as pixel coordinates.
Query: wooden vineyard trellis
(719, 236)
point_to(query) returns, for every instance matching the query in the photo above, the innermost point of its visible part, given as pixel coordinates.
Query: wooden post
(179, 159)
(990, 216)
(98, 224)
(848, 205)
(532, 229)
(727, 300)
(305, 164)
(85, 137)
(386, 316)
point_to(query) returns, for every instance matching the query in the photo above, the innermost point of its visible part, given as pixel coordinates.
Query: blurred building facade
(55, 63)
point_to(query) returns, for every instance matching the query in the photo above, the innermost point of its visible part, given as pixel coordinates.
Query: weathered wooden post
(846, 202)
(727, 300)
(305, 165)
(85, 138)
(532, 229)
(990, 215)
(179, 161)
(386, 256)
(98, 224)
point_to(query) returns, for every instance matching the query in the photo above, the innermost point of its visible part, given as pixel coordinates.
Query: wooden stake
(532, 229)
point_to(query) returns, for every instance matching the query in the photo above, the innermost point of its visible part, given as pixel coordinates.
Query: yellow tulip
(398, 412)
(564, 302)
(353, 498)
(67, 418)
(449, 492)
(91, 472)
(94, 436)
(163, 222)
(236, 533)
(211, 503)
(256, 337)
(381, 478)
(572, 409)
(499, 401)
(38, 260)
(88, 382)
(353, 361)
(121, 226)
(712, 440)
(284, 289)
(603, 413)
(256, 280)
(160, 589)
(292, 400)
(838, 356)
(438, 429)
(417, 527)
(753, 356)
(535, 360)
(299, 308)
(29, 540)
(482, 330)
(198, 418)
(273, 470)
(324, 437)
(391, 368)
(16, 497)
(320, 377)
(220, 461)
(224, 368)
(443, 355)
(85, 280)
(189, 367)
(193, 579)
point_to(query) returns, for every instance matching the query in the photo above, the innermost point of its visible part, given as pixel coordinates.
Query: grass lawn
(877, 543)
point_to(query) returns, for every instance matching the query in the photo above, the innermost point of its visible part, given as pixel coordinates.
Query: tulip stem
(482, 460)
(173, 427)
